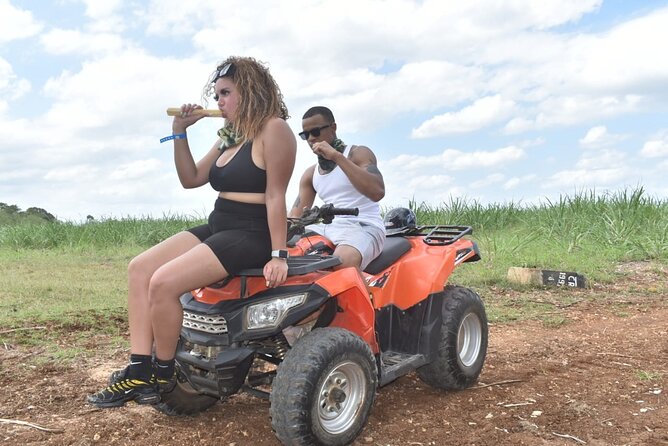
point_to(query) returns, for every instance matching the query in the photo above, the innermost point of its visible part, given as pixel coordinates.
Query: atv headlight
(270, 313)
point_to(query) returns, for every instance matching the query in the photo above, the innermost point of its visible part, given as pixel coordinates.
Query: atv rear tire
(324, 389)
(463, 345)
(184, 400)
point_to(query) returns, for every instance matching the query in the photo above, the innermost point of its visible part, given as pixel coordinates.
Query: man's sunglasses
(315, 132)
(227, 69)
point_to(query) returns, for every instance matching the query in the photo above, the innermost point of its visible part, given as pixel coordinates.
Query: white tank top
(334, 187)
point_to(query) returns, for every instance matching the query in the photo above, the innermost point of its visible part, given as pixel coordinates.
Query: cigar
(176, 111)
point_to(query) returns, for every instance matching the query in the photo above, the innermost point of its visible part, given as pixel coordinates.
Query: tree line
(12, 214)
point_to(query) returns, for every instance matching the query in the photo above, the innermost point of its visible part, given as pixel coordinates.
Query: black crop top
(240, 174)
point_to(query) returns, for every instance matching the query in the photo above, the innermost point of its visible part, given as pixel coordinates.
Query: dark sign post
(563, 278)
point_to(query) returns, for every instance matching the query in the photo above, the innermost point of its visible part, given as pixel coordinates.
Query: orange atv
(320, 345)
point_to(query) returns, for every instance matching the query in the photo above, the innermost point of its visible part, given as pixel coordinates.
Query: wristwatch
(280, 253)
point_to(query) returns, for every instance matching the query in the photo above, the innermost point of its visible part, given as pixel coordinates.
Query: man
(347, 177)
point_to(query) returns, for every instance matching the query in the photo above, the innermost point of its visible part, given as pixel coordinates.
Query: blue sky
(516, 100)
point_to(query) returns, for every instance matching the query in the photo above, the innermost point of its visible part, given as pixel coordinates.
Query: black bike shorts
(238, 234)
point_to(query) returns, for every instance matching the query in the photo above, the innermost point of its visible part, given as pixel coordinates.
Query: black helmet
(399, 220)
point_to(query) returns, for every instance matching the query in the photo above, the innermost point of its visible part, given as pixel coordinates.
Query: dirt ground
(596, 376)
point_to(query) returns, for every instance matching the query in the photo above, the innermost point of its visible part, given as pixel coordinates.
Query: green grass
(586, 233)
(43, 285)
(554, 321)
(57, 301)
(71, 278)
(644, 375)
(126, 232)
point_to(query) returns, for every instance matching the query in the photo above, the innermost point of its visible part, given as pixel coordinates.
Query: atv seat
(394, 248)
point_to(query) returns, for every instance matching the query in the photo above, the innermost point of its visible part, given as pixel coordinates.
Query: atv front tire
(463, 341)
(324, 389)
(184, 400)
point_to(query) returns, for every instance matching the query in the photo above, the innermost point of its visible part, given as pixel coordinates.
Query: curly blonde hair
(260, 96)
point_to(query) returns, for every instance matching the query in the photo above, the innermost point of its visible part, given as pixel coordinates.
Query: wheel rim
(469, 339)
(340, 397)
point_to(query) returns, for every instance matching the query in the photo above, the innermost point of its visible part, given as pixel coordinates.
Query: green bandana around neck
(326, 164)
(228, 138)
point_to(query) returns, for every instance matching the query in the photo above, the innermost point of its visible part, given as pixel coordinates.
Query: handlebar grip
(173, 111)
(345, 211)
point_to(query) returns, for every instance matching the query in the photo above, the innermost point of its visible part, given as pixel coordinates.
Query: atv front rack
(441, 235)
(298, 265)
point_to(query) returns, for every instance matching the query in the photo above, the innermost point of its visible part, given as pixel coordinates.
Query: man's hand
(323, 149)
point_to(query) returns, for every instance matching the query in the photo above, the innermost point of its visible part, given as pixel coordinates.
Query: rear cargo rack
(441, 235)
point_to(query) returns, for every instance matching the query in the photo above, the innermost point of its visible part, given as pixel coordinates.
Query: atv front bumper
(220, 376)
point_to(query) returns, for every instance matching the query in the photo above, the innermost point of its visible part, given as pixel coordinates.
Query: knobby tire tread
(294, 388)
(445, 371)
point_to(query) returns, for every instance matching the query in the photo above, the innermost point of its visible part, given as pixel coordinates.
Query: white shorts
(366, 238)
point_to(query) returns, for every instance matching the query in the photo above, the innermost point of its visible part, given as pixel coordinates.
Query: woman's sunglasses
(315, 132)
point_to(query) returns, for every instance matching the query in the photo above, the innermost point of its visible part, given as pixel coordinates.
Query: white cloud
(490, 180)
(604, 167)
(605, 158)
(430, 182)
(74, 173)
(16, 23)
(453, 160)
(535, 142)
(518, 125)
(624, 58)
(61, 41)
(105, 16)
(359, 21)
(122, 94)
(368, 41)
(512, 183)
(101, 10)
(598, 136)
(571, 110)
(594, 136)
(619, 60)
(587, 178)
(98, 132)
(531, 15)
(11, 86)
(19, 176)
(489, 48)
(656, 147)
(416, 86)
(581, 77)
(515, 182)
(481, 113)
(135, 169)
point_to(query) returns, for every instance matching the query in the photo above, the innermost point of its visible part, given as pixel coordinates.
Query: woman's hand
(275, 272)
(187, 118)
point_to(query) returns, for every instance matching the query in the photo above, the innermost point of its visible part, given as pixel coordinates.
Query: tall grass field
(73, 275)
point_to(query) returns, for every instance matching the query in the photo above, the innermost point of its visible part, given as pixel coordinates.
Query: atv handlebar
(324, 214)
(343, 211)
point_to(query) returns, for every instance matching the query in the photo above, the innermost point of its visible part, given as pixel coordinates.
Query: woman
(250, 166)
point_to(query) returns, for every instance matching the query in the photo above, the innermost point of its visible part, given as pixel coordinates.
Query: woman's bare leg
(140, 271)
(196, 268)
